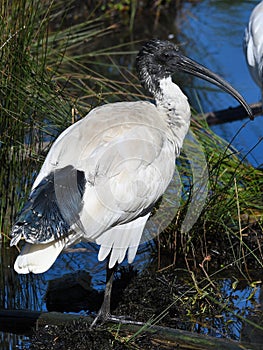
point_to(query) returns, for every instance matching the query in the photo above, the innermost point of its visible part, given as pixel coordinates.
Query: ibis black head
(160, 59)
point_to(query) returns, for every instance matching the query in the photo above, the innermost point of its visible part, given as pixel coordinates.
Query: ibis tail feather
(120, 239)
(38, 258)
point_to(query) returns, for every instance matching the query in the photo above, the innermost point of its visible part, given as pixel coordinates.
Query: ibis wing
(124, 156)
(99, 182)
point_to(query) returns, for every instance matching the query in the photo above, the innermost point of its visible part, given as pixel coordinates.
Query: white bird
(103, 175)
(253, 45)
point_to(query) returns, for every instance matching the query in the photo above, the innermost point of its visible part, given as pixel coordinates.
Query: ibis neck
(171, 101)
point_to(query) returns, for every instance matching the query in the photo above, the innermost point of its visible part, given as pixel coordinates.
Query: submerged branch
(230, 114)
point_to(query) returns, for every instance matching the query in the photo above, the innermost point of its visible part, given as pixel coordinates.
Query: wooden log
(188, 340)
(230, 114)
(23, 321)
(18, 320)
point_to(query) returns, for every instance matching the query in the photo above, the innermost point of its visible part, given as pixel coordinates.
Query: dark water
(211, 32)
(9, 341)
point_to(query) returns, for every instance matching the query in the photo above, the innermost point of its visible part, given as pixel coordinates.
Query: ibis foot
(102, 318)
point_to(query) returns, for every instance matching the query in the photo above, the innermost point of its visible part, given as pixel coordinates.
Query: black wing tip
(38, 231)
(43, 218)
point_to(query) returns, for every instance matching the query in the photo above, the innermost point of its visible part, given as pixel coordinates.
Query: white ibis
(253, 45)
(103, 175)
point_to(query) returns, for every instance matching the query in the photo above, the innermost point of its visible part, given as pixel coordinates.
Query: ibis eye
(166, 55)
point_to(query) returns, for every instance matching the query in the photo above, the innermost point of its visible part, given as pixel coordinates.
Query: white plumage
(122, 157)
(103, 175)
(253, 44)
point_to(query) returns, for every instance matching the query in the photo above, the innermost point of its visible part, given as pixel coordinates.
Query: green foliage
(233, 209)
(35, 102)
(19, 82)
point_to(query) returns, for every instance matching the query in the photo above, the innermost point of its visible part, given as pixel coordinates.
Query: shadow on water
(30, 292)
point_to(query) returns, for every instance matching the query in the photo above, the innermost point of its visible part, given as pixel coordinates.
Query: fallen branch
(230, 114)
(23, 321)
(18, 321)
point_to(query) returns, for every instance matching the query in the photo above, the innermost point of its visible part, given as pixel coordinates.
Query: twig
(207, 258)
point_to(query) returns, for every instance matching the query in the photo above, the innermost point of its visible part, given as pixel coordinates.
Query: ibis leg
(104, 312)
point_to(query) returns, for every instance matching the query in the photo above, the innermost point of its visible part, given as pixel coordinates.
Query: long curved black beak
(190, 66)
